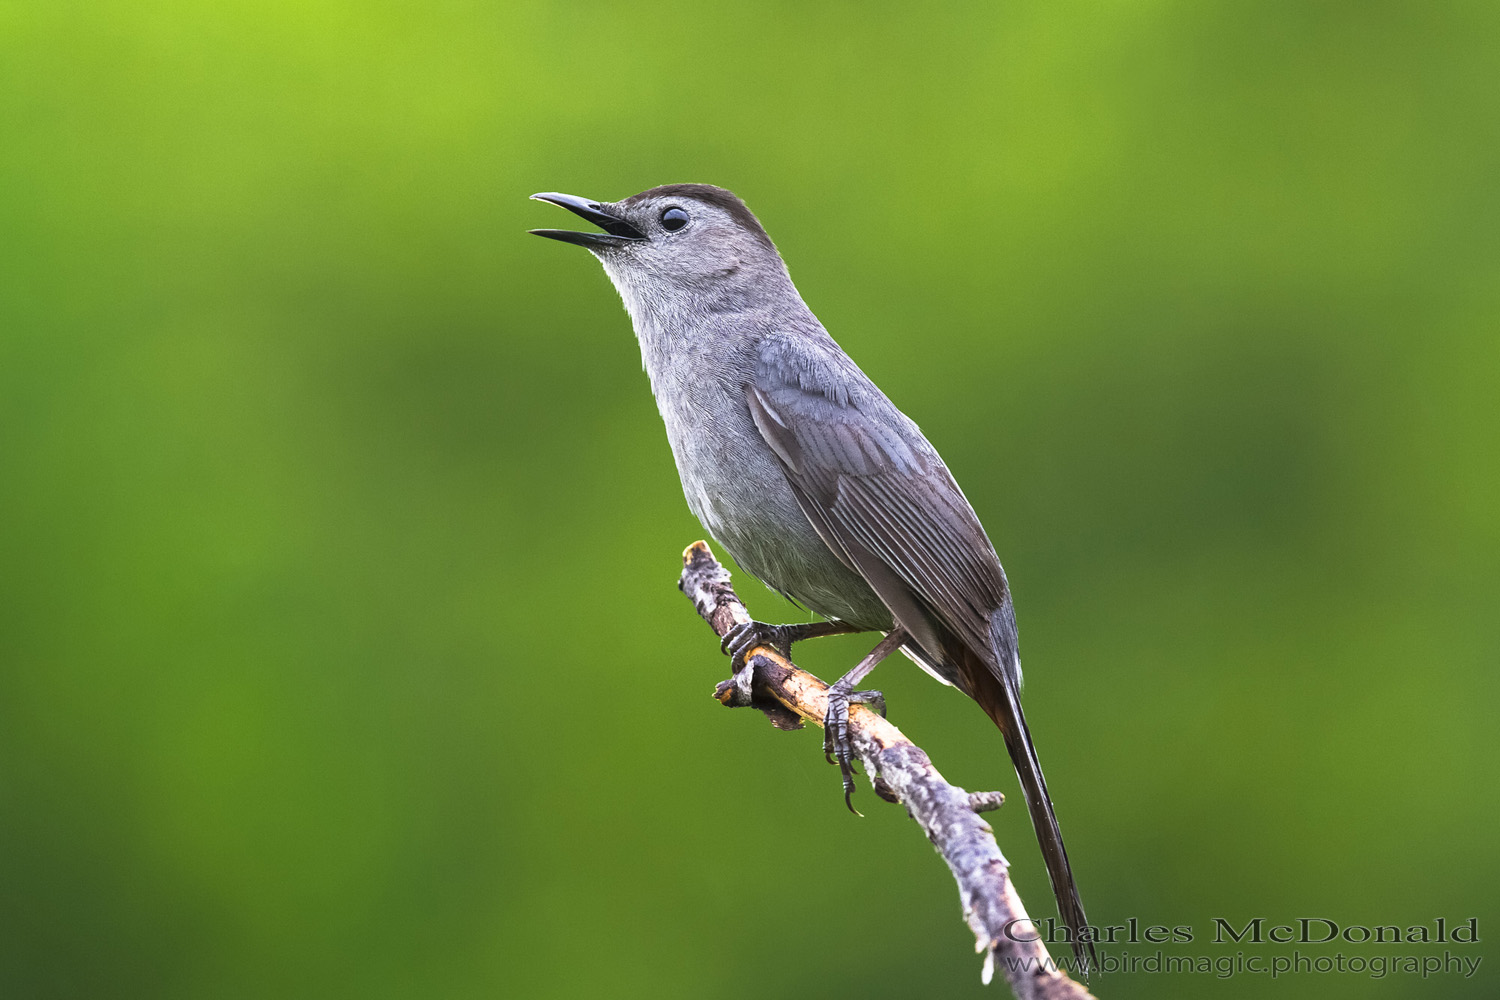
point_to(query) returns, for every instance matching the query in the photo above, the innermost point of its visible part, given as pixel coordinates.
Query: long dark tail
(1000, 697)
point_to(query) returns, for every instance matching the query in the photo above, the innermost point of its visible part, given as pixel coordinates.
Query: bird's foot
(837, 747)
(742, 638)
(737, 643)
(841, 694)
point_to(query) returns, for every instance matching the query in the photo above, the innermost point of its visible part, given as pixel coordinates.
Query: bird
(810, 477)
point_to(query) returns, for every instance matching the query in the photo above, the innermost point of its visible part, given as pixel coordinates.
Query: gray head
(679, 251)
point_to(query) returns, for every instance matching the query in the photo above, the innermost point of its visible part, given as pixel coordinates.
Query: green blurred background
(340, 654)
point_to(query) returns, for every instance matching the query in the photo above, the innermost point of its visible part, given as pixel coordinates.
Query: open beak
(617, 232)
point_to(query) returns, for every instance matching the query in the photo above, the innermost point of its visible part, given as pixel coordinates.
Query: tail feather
(1000, 698)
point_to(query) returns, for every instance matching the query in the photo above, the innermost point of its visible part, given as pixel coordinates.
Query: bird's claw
(742, 638)
(837, 748)
(737, 643)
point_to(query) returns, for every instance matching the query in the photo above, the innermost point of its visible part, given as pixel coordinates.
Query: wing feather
(867, 479)
(882, 500)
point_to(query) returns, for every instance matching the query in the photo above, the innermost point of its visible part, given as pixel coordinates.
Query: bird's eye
(673, 219)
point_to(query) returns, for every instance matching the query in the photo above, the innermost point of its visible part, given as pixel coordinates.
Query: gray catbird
(808, 475)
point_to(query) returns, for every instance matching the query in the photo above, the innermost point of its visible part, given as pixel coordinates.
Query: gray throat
(701, 350)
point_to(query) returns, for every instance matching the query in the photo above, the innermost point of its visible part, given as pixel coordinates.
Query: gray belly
(735, 485)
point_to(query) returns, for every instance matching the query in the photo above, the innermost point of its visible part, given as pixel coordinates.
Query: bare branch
(900, 772)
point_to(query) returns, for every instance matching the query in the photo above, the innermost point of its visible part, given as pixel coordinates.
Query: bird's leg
(841, 695)
(742, 638)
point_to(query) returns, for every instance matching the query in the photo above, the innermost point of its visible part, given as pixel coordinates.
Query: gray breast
(735, 486)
